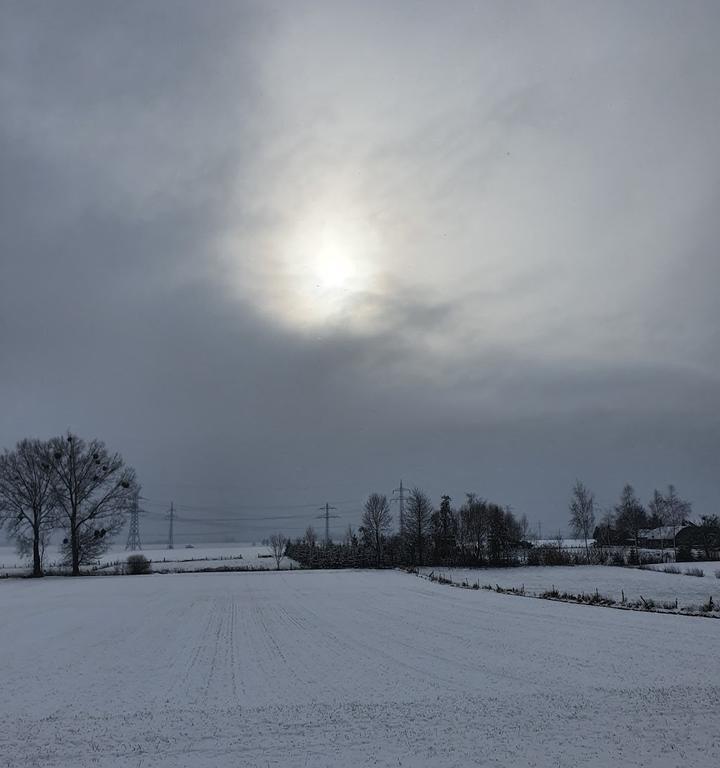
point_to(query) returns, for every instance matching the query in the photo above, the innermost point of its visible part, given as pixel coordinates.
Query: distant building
(660, 538)
(688, 536)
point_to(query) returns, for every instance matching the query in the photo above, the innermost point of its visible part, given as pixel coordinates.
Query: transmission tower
(326, 514)
(133, 539)
(400, 500)
(171, 517)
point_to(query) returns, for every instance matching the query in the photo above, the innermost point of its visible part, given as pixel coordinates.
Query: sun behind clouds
(321, 269)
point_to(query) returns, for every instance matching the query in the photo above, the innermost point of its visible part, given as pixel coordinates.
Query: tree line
(478, 532)
(64, 484)
(622, 524)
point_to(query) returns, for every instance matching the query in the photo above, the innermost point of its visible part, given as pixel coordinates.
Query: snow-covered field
(203, 556)
(608, 580)
(196, 558)
(303, 668)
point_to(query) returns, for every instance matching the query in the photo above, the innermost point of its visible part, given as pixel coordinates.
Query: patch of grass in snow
(671, 569)
(588, 598)
(694, 572)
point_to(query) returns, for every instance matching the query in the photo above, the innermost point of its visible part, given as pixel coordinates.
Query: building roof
(663, 532)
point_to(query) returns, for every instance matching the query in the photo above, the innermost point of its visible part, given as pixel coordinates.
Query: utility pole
(171, 515)
(133, 539)
(327, 517)
(400, 499)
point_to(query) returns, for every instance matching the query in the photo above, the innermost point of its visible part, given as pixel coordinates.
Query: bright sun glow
(321, 269)
(328, 267)
(333, 266)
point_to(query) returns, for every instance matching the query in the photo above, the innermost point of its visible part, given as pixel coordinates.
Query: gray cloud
(529, 191)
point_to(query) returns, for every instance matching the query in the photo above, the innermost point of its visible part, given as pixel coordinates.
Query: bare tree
(677, 511)
(658, 517)
(310, 536)
(631, 516)
(93, 490)
(606, 528)
(474, 521)
(582, 513)
(708, 534)
(377, 521)
(523, 527)
(278, 542)
(27, 503)
(418, 511)
(350, 538)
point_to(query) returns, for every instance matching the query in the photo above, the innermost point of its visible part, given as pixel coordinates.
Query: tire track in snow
(183, 681)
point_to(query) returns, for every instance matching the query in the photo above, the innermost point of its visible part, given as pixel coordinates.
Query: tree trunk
(37, 565)
(75, 546)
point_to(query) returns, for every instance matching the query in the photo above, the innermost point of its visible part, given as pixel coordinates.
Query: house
(663, 537)
(688, 536)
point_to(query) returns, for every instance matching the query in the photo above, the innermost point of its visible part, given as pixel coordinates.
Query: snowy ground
(199, 557)
(344, 669)
(608, 580)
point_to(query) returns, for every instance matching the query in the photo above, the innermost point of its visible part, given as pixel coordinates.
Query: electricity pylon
(326, 514)
(171, 517)
(400, 499)
(133, 539)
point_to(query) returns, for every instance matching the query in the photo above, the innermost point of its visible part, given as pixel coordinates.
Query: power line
(228, 525)
(215, 508)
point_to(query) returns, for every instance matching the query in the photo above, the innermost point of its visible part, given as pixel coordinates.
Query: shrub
(709, 606)
(547, 555)
(671, 569)
(551, 593)
(694, 572)
(717, 574)
(617, 558)
(138, 564)
(601, 556)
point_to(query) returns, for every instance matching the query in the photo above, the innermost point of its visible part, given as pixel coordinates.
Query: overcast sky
(284, 253)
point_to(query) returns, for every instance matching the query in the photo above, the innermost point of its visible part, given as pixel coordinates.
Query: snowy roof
(663, 532)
